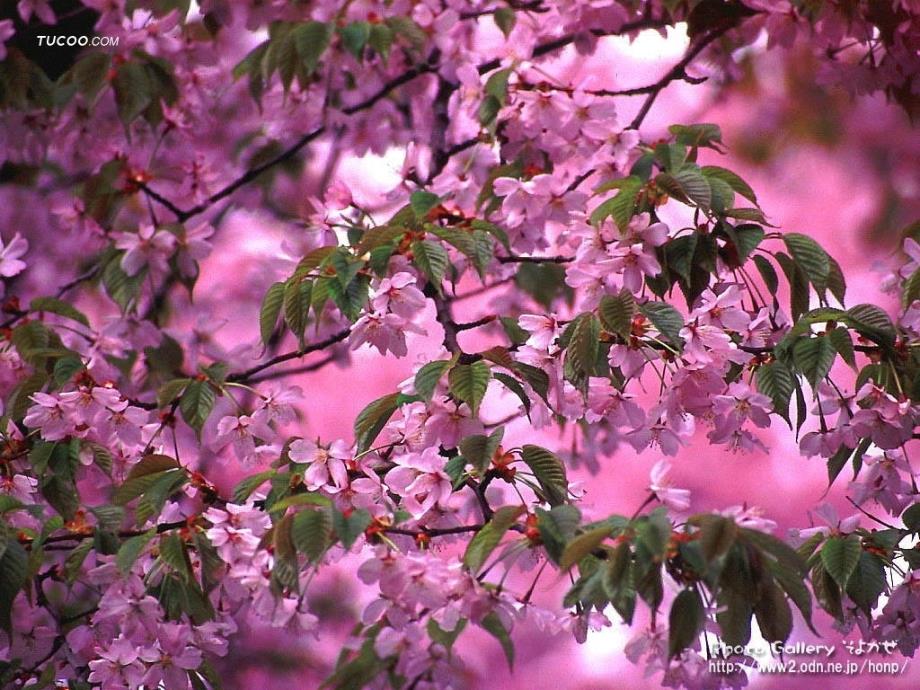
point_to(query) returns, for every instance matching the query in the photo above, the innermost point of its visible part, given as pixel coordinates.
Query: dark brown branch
(534, 259)
(469, 325)
(305, 369)
(678, 71)
(407, 76)
(240, 376)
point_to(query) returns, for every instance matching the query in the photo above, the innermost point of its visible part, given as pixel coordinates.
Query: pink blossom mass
(459, 344)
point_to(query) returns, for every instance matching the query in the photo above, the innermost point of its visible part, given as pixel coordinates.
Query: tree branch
(241, 376)
(678, 71)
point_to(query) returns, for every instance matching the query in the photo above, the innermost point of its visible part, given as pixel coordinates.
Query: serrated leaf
(665, 318)
(244, 489)
(310, 41)
(617, 311)
(422, 202)
(774, 617)
(13, 575)
(469, 382)
(488, 538)
(478, 449)
(355, 36)
(349, 527)
(620, 207)
(840, 556)
(810, 256)
(873, 322)
(583, 545)
(371, 420)
(557, 526)
(196, 403)
(549, 471)
(428, 376)
(776, 381)
(717, 534)
(814, 357)
(582, 349)
(685, 621)
(867, 582)
(131, 549)
(172, 553)
(493, 625)
(432, 259)
(311, 532)
(53, 305)
(704, 134)
(732, 179)
(269, 311)
(513, 385)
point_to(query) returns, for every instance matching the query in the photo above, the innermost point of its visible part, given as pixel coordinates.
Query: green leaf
(411, 32)
(583, 545)
(584, 343)
(493, 625)
(244, 489)
(479, 448)
(810, 256)
(488, 538)
(840, 556)
(911, 289)
(469, 382)
(685, 621)
(733, 179)
(66, 368)
(776, 381)
(767, 273)
(774, 617)
(513, 385)
(422, 202)
(53, 305)
(717, 534)
(349, 527)
(867, 582)
(133, 90)
(311, 40)
(196, 403)
(131, 549)
(874, 323)
(355, 36)
(144, 475)
(798, 285)
(843, 344)
(172, 553)
(617, 311)
(688, 185)
(747, 238)
(549, 471)
(381, 39)
(13, 575)
(296, 299)
(911, 518)
(271, 308)
(432, 259)
(665, 318)
(704, 134)
(311, 532)
(814, 357)
(505, 19)
(557, 526)
(428, 376)
(621, 207)
(371, 420)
